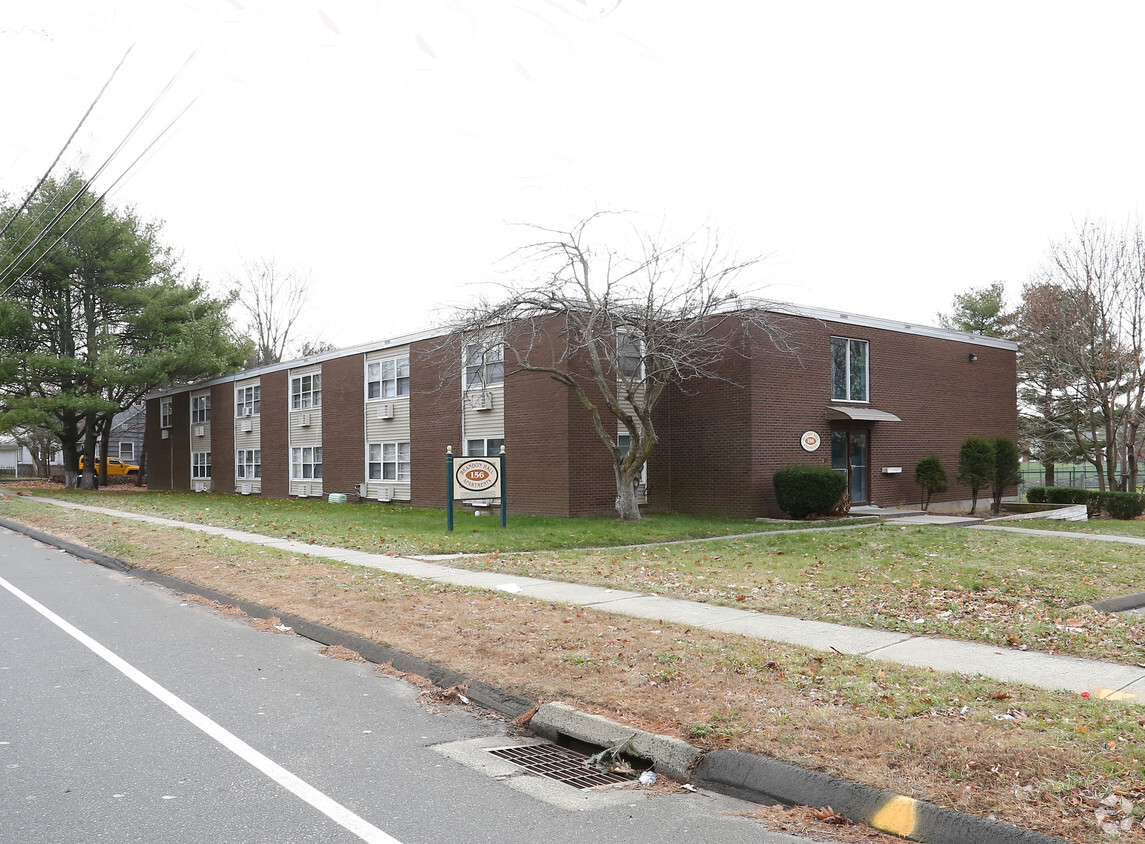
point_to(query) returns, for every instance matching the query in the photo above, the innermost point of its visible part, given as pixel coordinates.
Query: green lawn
(396, 529)
(1006, 589)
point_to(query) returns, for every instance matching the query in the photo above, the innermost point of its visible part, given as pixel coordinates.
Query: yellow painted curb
(899, 816)
(1112, 694)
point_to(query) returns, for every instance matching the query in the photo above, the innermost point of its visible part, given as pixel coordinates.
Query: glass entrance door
(849, 450)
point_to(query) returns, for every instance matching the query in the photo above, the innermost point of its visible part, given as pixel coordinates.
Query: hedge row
(803, 491)
(1119, 505)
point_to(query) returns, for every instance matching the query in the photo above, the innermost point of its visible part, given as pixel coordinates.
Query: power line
(67, 143)
(6, 272)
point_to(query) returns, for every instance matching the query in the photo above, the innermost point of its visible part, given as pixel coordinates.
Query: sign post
(470, 478)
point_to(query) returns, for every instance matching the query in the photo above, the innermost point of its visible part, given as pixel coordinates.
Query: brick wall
(157, 451)
(275, 438)
(180, 441)
(343, 424)
(223, 437)
(435, 414)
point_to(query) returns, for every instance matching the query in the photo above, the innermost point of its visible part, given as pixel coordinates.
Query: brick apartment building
(869, 396)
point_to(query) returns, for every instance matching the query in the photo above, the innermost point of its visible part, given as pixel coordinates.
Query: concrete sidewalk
(1100, 679)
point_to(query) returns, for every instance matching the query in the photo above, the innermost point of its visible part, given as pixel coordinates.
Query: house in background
(127, 432)
(870, 397)
(16, 460)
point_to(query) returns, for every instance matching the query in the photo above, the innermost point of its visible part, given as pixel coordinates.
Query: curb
(743, 775)
(1122, 604)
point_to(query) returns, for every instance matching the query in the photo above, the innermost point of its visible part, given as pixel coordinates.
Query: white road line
(333, 810)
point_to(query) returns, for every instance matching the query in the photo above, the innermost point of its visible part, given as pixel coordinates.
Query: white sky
(885, 156)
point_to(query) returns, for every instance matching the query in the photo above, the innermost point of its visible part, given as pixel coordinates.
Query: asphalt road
(128, 714)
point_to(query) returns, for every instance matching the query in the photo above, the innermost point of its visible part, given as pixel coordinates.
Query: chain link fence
(1079, 477)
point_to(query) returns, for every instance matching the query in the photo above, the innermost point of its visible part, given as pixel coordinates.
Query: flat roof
(820, 314)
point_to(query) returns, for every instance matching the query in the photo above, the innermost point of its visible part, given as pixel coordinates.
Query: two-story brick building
(869, 396)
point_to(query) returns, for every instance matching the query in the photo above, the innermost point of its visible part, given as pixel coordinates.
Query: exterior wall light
(973, 357)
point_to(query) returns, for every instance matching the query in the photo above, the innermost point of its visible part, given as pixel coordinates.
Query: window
(484, 365)
(630, 354)
(487, 447)
(387, 379)
(624, 442)
(248, 401)
(248, 463)
(305, 392)
(389, 462)
(306, 463)
(201, 465)
(200, 409)
(164, 413)
(849, 381)
(127, 451)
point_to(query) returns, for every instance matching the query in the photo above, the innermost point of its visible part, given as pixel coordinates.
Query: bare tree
(272, 300)
(1083, 318)
(616, 315)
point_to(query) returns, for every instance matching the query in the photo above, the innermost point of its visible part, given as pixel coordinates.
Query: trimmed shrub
(1036, 495)
(930, 475)
(1007, 469)
(976, 467)
(1123, 505)
(803, 491)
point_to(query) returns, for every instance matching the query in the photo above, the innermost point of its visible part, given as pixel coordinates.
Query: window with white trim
(630, 354)
(624, 443)
(200, 409)
(306, 463)
(484, 364)
(165, 413)
(387, 379)
(248, 401)
(127, 451)
(248, 464)
(850, 361)
(484, 447)
(200, 465)
(305, 392)
(389, 462)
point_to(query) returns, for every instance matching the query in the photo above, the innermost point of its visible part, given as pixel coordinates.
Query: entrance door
(849, 451)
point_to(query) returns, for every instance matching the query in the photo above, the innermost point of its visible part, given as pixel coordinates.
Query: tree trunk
(1048, 465)
(627, 506)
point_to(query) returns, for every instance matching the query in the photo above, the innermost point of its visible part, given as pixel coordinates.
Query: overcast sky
(885, 156)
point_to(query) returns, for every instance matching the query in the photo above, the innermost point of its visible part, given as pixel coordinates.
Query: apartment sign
(476, 478)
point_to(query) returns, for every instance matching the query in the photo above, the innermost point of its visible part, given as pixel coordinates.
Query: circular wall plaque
(810, 441)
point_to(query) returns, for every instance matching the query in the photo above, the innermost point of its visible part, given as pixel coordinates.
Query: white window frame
(484, 365)
(847, 386)
(489, 446)
(200, 409)
(306, 463)
(130, 447)
(165, 413)
(248, 397)
(388, 378)
(392, 459)
(248, 464)
(630, 365)
(306, 391)
(200, 465)
(624, 442)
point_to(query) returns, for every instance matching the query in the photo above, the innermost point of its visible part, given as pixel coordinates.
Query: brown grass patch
(931, 736)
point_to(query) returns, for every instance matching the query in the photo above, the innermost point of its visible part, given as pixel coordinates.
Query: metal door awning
(860, 414)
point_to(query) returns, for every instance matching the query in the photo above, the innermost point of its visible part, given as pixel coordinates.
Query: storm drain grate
(560, 764)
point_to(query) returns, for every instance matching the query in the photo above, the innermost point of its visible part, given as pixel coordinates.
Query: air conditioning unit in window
(385, 493)
(246, 411)
(165, 435)
(483, 401)
(386, 411)
(247, 426)
(304, 420)
(303, 490)
(200, 430)
(201, 486)
(245, 489)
